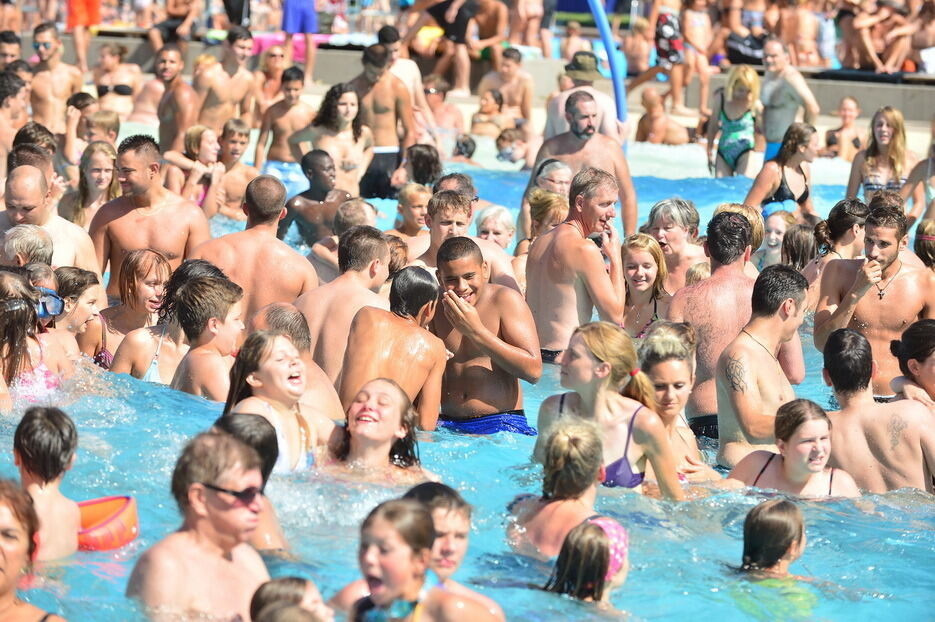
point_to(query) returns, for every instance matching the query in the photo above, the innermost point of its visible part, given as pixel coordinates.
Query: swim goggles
(506, 154)
(619, 543)
(50, 304)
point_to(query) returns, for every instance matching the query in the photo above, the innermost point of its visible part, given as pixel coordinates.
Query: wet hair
(114, 49)
(581, 568)
(286, 590)
(545, 206)
(438, 496)
(573, 100)
(729, 235)
(256, 432)
(10, 85)
(774, 285)
(237, 33)
(45, 27)
(136, 265)
(797, 135)
(84, 189)
(205, 459)
(189, 270)
(916, 343)
(80, 100)
(844, 215)
(359, 246)
(72, 282)
(413, 288)
(896, 156)
(497, 98)
(464, 146)
(573, 459)
(387, 34)
(848, 360)
(611, 344)
(265, 198)
(192, 140)
(643, 242)
(745, 76)
(887, 198)
(31, 241)
(680, 211)
(410, 190)
(285, 318)
(668, 341)
(924, 245)
(376, 55)
(327, 116)
(753, 215)
(399, 253)
(444, 200)
(46, 440)
(463, 184)
(697, 273)
(425, 163)
(141, 144)
(768, 531)
(255, 349)
(23, 509)
(18, 323)
(499, 214)
(889, 218)
(456, 248)
(793, 414)
(513, 54)
(235, 127)
(798, 246)
(411, 519)
(201, 299)
(588, 181)
(404, 452)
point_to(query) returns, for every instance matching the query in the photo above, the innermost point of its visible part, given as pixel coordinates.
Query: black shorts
(167, 29)
(457, 30)
(376, 181)
(548, 14)
(705, 425)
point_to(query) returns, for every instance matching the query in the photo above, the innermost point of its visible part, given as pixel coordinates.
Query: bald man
(267, 269)
(656, 126)
(28, 203)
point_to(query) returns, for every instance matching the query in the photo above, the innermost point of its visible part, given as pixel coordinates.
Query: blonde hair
(753, 215)
(545, 205)
(192, 140)
(611, 344)
(412, 189)
(788, 217)
(897, 153)
(643, 242)
(925, 249)
(203, 61)
(698, 273)
(743, 75)
(573, 458)
(113, 191)
(667, 341)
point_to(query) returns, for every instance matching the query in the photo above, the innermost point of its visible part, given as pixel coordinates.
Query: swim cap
(619, 543)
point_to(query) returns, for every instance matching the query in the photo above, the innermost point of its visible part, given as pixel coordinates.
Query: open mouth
(295, 379)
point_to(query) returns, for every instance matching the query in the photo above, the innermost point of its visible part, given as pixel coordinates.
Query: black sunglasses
(245, 496)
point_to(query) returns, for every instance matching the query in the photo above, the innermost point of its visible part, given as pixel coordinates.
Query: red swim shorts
(83, 13)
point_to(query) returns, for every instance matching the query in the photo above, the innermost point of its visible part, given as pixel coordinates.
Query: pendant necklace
(881, 291)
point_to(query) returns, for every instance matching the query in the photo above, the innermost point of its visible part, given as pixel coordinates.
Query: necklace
(881, 291)
(759, 343)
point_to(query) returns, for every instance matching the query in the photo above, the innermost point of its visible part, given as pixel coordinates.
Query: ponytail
(641, 389)
(823, 237)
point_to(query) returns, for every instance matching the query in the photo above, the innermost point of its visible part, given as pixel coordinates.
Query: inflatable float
(107, 523)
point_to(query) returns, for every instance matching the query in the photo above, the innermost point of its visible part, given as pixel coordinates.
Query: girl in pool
(489, 119)
(757, 230)
(547, 210)
(674, 224)
(840, 236)
(143, 276)
(201, 182)
(915, 351)
(886, 162)
(799, 247)
(117, 82)
(573, 469)
(292, 591)
(268, 379)
(644, 270)
(495, 223)
(20, 526)
(667, 355)
(773, 538)
(770, 252)
(783, 182)
(600, 367)
(395, 552)
(845, 141)
(593, 561)
(379, 440)
(736, 107)
(97, 184)
(78, 288)
(267, 79)
(924, 245)
(803, 436)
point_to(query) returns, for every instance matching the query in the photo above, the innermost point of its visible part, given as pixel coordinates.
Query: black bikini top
(118, 89)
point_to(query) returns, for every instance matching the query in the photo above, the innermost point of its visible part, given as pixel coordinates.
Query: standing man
(877, 295)
(146, 216)
(783, 92)
(178, 108)
(283, 119)
(514, 84)
(54, 81)
(580, 147)
(406, 70)
(583, 72)
(313, 210)
(229, 93)
(385, 106)
(751, 384)
(234, 140)
(565, 274)
(247, 257)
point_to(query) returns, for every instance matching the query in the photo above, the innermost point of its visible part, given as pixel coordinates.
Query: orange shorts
(83, 13)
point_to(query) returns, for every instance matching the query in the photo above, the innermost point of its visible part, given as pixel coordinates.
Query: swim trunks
(289, 173)
(169, 27)
(704, 425)
(376, 181)
(548, 14)
(83, 13)
(670, 47)
(549, 356)
(772, 150)
(509, 421)
(299, 16)
(457, 30)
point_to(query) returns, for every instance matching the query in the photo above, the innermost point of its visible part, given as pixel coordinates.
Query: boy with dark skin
(54, 81)
(229, 93)
(493, 337)
(178, 108)
(284, 118)
(234, 140)
(313, 210)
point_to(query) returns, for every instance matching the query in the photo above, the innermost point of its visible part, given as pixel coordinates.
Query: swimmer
(773, 538)
(14, 100)
(178, 107)
(290, 591)
(80, 292)
(217, 485)
(97, 185)
(547, 210)
(396, 344)
(840, 236)
(200, 178)
(54, 81)
(229, 93)
(580, 570)
(230, 194)
(550, 175)
(413, 207)
(495, 223)
(313, 211)
(915, 351)
(800, 468)
(283, 120)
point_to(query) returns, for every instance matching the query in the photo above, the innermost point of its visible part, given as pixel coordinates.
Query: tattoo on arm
(897, 425)
(736, 374)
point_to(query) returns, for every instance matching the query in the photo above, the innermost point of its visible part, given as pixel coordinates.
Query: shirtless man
(396, 344)
(14, 100)
(229, 93)
(313, 210)
(565, 273)
(878, 295)
(583, 73)
(363, 258)
(146, 104)
(513, 83)
(283, 119)
(146, 216)
(385, 106)
(28, 203)
(54, 81)
(178, 108)
(492, 334)
(413, 207)
(408, 71)
(234, 140)
(170, 578)
(247, 256)
(656, 126)
(751, 383)
(783, 92)
(324, 253)
(883, 446)
(11, 48)
(583, 147)
(492, 20)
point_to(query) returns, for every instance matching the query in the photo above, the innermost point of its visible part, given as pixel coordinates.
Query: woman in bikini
(840, 236)
(803, 437)
(783, 182)
(886, 162)
(117, 82)
(143, 276)
(733, 123)
(845, 141)
(644, 271)
(97, 184)
(607, 387)
(489, 119)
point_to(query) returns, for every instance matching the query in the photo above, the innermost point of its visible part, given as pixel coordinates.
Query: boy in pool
(493, 337)
(210, 313)
(44, 449)
(413, 205)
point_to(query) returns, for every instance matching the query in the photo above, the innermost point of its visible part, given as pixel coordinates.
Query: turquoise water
(873, 559)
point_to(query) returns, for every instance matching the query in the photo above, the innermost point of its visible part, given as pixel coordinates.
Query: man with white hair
(24, 244)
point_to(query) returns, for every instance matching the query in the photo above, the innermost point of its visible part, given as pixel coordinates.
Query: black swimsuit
(783, 193)
(770, 459)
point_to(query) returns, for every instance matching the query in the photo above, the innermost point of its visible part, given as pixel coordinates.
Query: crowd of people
(332, 364)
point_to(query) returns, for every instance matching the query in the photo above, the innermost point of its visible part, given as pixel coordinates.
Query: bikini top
(770, 459)
(832, 140)
(654, 318)
(118, 89)
(305, 459)
(619, 472)
(874, 186)
(783, 193)
(37, 383)
(104, 357)
(152, 373)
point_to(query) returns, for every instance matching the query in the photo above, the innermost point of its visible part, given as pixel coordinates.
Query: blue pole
(610, 46)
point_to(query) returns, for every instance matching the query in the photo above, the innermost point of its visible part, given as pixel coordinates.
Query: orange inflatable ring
(107, 523)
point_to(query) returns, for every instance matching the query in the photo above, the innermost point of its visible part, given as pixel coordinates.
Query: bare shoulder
(445, 606)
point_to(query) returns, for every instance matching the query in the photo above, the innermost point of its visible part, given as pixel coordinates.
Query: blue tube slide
(610, 46)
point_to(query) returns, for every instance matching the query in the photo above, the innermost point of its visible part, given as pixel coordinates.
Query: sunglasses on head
(245, 496)
(36, 45)
(50, 304)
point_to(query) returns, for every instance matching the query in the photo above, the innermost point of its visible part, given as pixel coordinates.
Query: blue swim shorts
(510, 421)
(289, 173)
(299, 16)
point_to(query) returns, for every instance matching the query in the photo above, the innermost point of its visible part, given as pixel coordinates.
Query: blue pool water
(873, 558)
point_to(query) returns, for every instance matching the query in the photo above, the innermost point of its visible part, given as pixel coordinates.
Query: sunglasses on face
(50, 304)
(36, 45)
(245, 496)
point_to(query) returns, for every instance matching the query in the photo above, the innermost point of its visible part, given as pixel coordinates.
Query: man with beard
(583, 147)
(54, 81)
(178, 108)
(313, 210)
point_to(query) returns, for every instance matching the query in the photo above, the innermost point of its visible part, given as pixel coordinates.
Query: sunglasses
(245, 496)
(36, 45)
(430, 91)
(50, 304)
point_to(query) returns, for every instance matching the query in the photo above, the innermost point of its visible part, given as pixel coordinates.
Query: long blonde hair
(897, 153)
(643, 242)
(611, 344)
(113, 191)
(573, 458)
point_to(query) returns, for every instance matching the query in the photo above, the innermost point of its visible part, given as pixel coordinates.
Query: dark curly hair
(327, 116)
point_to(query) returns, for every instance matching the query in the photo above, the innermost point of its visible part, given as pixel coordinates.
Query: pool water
(872, 559)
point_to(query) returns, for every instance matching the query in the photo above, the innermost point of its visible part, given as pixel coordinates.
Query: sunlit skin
(538, 228)
(557, 181)
(230, 516)
(168, 65)
(494, 231)
(347, 107)
(234, 146)
(672, 237)
(47, 45)
(583, 119)
(79, 312)
(488, 105)
(134, 176)
(281, 374)
(672, 383)
(923, 373)
(229, 331)
(292, 91)
(149, 290)
(449, 224)
(807, 451)
(209, 148)
(452, 530)
(414, 212)
(775, 231)
(640, 270)
(848, 112)
(390, 567)
(882, 246)
(375, 414)
(882, 130)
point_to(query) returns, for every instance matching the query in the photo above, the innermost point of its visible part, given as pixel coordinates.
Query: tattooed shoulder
(897, 425)
(736, 373)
